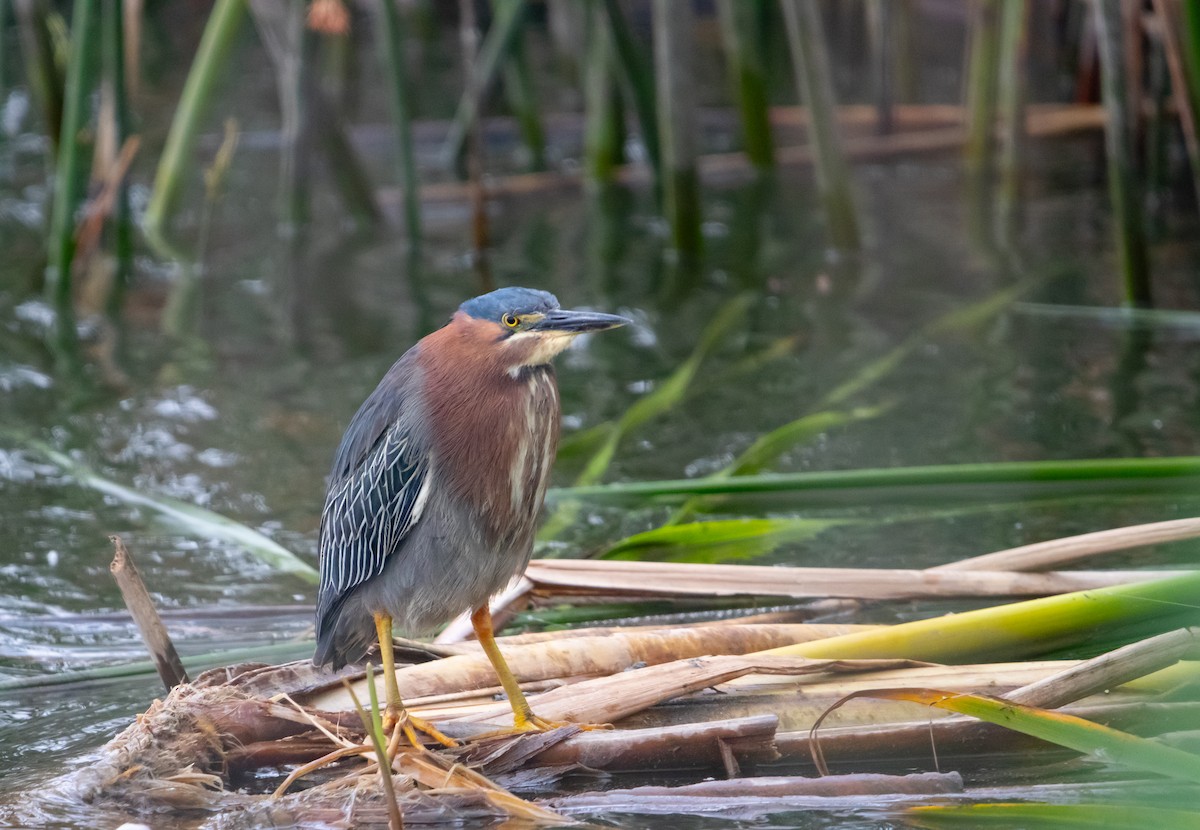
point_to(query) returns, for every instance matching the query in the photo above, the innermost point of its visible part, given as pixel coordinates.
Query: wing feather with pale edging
(381, 480)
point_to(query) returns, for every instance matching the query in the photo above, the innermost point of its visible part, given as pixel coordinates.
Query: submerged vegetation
(667, 568)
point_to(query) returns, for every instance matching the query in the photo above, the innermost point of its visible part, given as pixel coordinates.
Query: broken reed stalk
(149, 624)
(1124, 188)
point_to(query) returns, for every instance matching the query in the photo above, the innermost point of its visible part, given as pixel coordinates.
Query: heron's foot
(533, 723)
(524, 723)
(397, 718)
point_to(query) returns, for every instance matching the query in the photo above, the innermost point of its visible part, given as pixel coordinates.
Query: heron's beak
(578, 322)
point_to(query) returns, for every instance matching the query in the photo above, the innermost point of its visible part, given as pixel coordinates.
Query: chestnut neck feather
(491, 431)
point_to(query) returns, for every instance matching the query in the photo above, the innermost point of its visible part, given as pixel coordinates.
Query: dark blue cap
(513, 300)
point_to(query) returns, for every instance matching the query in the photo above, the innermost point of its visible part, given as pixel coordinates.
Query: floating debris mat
(734, 717)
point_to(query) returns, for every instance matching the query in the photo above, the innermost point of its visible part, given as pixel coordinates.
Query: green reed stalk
(668, 394)
(882, 38)
(292, 68)
(113, 23)
(982, 69)
(497, 45)
(5, 11)
(350, 175)
(224, 23)
(908, 68)
(274, 653)
(769, 446)
(1189, 41)
(745, 53)
(69, 181)
(41, 69)
(604, 124)
(952, 482)
(1020, 629)
(639, 81)
(1011, 105)
(391, 41)
(521, 95)
(1123, 185)
(674, 37)
(372, 722)
(814, 84)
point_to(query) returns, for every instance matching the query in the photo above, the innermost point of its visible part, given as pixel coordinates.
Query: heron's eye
(511, 320)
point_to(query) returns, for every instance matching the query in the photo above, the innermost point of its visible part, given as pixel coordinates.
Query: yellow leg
(523, 717)
(524, 720)
(396, 716)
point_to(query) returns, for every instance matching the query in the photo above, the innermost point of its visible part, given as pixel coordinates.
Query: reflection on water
(242, 415)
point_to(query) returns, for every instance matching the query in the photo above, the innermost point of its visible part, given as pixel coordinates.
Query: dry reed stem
(609, 699)
(1055, 552)
(1107, 670)
(324, 761)
(434, 772)
(569, 576)
(690, 744)
(798, 632)
(1077, 681)
(587, 656)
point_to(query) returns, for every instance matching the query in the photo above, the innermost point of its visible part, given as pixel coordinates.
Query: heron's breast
(535, 431)
(494, 447)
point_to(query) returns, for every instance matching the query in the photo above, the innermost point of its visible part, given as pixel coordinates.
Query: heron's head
(519, 327)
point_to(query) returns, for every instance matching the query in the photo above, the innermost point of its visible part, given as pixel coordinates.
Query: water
(241, 413)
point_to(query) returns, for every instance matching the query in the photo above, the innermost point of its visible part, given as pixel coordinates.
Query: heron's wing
(378, 489)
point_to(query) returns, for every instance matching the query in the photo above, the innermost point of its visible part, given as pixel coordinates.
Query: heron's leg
(523, 717)
(395, 715)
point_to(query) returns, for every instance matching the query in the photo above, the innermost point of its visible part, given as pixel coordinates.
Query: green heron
(436, 487)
